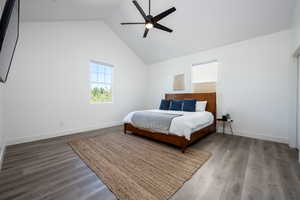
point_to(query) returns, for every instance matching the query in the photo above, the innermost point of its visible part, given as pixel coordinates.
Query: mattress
(184, 125)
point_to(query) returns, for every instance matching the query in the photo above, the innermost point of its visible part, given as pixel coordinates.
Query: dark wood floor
(240, 168)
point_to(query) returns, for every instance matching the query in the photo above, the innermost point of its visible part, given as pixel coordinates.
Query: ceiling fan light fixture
(150, 21)
(149, 25)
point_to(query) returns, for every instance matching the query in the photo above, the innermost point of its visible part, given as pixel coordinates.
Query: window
(100, 82)
(205, 73)
(204, 77)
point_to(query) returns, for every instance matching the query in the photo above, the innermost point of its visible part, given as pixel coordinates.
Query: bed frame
(181, 141)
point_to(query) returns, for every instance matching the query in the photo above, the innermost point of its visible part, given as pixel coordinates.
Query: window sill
(91, 102)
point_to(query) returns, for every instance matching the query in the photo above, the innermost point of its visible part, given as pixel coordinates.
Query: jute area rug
(136, 168)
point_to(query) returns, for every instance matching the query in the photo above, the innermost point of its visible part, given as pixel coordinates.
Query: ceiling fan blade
(161, 27)
(140, 9)
(149, 7)
(146, 32)
(164, 14)
(132, 23)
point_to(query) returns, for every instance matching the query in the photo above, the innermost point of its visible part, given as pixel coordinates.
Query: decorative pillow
(201, 106)
(164, 104)
(189, 105)
(176, 105)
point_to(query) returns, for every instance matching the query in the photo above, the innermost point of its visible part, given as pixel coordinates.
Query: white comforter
(184, 125)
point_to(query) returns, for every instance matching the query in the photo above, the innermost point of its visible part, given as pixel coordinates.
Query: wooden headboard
(209, 97)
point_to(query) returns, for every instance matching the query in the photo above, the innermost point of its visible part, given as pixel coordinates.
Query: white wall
(295, 46)
(1, 118)
(47, 92)
(296, 26)
(2, 143)
(255, 84)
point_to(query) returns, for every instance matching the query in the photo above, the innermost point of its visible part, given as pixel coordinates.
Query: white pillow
(201, 106)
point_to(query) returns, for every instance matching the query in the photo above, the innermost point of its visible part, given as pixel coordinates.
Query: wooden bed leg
(183, 149)
(125, 128)
(184, 145)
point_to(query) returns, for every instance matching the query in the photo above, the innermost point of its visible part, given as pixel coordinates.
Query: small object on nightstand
(226, 119)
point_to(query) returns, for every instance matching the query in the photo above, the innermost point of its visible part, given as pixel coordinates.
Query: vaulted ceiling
(56, 10)
(198, 24)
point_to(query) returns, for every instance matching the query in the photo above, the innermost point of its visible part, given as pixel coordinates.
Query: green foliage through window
(101, 95)
(101, 82)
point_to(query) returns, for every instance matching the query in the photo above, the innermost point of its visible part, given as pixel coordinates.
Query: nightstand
(228, 123)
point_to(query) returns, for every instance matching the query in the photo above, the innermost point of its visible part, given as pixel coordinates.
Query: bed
(179, 135)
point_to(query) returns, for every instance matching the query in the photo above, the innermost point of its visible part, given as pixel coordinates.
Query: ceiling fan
(150, 21)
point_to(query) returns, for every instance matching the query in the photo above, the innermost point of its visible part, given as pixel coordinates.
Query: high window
(204, 77)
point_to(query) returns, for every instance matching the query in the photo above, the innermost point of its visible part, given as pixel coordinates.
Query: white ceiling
(55, 10)
(198, 24)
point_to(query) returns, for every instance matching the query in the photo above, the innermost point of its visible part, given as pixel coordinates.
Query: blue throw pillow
(164, 104)
(176, 105)
(189, 105)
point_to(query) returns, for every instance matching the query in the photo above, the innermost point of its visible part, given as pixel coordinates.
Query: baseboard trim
(62, 133)
(3, 148)
(255, 136)
(118, 123)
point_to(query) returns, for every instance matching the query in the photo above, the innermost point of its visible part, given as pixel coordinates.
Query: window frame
(104, 83)
(204, 63)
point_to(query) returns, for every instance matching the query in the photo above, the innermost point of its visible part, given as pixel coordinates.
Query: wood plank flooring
(240, 168)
